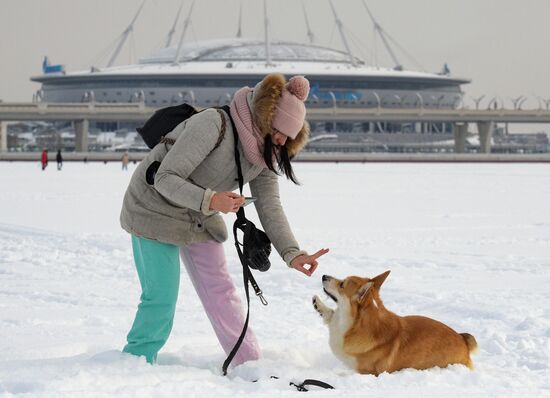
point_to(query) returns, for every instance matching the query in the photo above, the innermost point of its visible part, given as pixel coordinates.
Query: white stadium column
(81, 135)
(3, 136)
(460, 133)
(485, 130)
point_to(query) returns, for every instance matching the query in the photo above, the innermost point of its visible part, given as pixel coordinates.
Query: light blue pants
(158, 269)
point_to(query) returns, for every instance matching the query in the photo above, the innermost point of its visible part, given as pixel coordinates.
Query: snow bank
(468, 244)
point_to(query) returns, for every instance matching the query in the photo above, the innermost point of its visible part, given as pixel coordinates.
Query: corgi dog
(371, 339)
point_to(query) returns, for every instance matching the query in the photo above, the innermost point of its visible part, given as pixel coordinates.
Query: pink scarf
(249, 135)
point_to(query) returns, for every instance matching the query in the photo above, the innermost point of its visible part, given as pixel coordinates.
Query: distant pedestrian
(59, 160)
(125, 161)
(44, 159)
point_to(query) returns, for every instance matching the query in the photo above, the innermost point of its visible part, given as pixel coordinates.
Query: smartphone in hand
(248, 200)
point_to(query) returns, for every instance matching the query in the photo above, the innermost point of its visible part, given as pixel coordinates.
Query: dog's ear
(379, 279)
(362, 292)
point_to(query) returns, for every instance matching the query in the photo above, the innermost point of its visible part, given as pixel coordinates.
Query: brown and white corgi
(370, 339)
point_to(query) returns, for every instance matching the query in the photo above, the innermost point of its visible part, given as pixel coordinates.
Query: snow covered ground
(468, 244)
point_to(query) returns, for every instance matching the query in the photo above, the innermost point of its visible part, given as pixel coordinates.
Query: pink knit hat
(290, 110)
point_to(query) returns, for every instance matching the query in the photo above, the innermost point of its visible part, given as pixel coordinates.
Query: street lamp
(138, 96)
(88, 96)
(400, 99)
(420, 100)
(190, 94)
(546, 102)
(333, 110)
(438, 100)
(314, 99)
(226, 98)
(378, 102)
(477, 101)
(493, 103)
(178, 98)
(38, 96)
(518, 102)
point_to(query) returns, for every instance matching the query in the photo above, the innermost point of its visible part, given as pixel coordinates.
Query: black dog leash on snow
(307, 382)
(311, 382)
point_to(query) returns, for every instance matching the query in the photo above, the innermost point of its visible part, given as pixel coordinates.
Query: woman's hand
(226, 202)
(299, 262)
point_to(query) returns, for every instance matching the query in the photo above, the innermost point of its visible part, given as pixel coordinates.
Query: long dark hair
(280, 152)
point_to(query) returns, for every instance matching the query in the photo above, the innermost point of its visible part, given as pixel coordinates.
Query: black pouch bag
(256, 246)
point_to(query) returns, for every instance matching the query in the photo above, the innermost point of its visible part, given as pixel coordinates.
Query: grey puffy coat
(175, 210)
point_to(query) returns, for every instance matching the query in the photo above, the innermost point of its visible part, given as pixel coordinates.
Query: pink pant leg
(206, 265)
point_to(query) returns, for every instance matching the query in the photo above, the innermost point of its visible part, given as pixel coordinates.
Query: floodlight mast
(185, 26)
(266, 35)
(171, 32)
(382, 35)
(239, 30)
(124, 36)
(340, 26)
(310, 34)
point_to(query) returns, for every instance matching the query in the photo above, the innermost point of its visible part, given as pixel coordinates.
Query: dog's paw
(317, 303)
(322, 309)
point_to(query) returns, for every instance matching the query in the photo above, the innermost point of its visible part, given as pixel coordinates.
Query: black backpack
(163, 121)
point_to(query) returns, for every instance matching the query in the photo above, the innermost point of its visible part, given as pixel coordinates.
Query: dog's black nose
(326, 278)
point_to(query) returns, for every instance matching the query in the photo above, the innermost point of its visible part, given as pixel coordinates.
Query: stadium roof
(248, 50)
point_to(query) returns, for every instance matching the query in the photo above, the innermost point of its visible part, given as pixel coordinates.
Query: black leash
(311, 382)
(306, 382)
(247, 273)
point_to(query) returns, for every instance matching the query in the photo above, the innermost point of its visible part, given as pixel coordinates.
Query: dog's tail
(470, 342)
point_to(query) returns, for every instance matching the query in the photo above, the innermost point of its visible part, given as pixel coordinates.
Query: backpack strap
(222, 131)
(165, 140)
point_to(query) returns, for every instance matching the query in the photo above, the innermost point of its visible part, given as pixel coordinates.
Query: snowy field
(467, 244)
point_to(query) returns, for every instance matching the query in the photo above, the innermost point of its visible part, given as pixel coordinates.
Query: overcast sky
(502, 45)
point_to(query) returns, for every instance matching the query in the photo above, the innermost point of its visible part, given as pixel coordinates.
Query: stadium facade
(209, 72)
